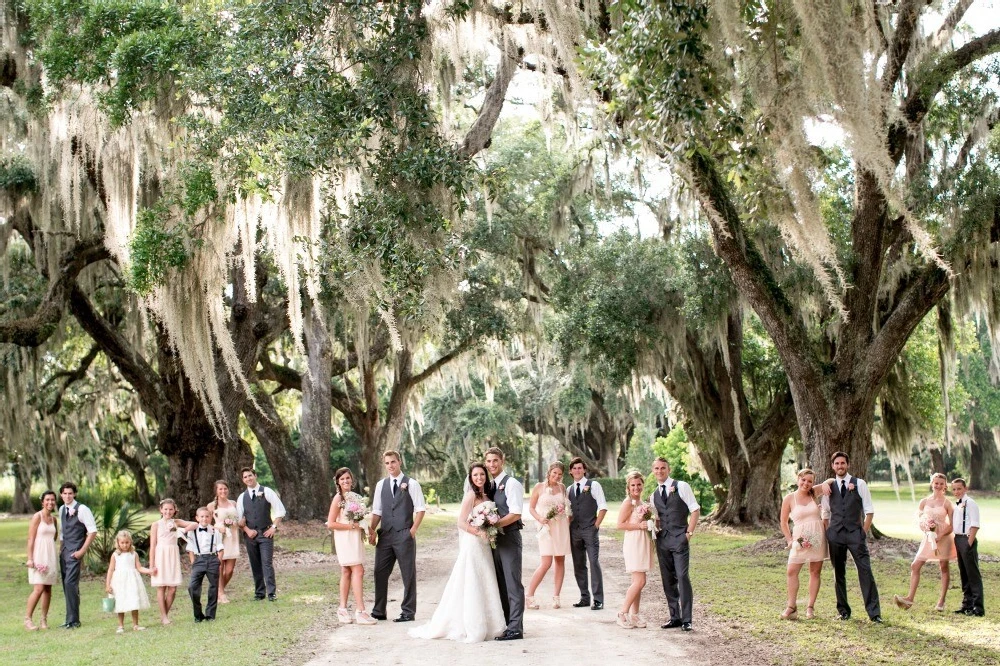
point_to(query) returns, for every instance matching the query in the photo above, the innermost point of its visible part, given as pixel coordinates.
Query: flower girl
(125, 583)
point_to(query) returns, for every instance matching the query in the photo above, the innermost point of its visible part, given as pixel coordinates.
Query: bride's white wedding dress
(470, 609)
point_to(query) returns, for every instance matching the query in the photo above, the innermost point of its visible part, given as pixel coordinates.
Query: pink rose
(850, 486)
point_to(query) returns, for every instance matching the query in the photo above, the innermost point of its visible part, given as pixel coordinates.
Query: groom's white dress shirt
(83, 514)
(595, 491)
(859, 485)
(683, 491)
(514, 491)
(412, 487)
(277, 508)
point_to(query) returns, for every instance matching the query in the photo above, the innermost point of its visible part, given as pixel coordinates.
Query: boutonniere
(586, 489)
(850, 486)
(500, 487)
(402, 486)
(72, 511)
(670, 491)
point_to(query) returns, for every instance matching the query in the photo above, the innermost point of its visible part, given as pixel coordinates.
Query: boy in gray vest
(850, 511)
(259, 511)
(966, 524)
(397, 511)
(508, 494)
(677, 511)
(586, 498)
(203, 546)
(78, 530)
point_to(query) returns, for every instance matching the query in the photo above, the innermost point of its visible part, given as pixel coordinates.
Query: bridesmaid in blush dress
(637, 549)
(224, 511)
(164, 558)
(806, 542)
(549, 498)
(348, 536)
(938, 544)
(43, 565)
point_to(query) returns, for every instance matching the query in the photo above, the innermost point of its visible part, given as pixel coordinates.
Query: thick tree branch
(902, 40)
(70, 377)
(462, 347)
(478, 136)
(130, 364)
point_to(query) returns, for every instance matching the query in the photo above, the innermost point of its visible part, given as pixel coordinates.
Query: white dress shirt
(206, 545)
(966, 516)
(595, 491)
(277, 508)
(683, 491)
(859, 485)
(412, 487)
(83, 514)
(514, 491)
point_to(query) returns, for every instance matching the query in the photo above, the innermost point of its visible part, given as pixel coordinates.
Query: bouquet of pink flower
(40, 568)
(560, 510)
(225, 520)
(645, 513)
(805, 541)
(353, 506)
(928, 525)
(484, 517)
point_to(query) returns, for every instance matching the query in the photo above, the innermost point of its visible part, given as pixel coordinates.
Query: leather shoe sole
(673, 624)
(404, 618)
(510, 636)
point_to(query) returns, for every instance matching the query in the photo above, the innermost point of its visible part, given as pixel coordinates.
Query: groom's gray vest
(500, 499)
(847, 514)
(674, 514)
(74, 531)
(397, 512)
(257, 512)
(584, 506)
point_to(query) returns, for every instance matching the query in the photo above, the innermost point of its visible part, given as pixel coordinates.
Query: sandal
(362, 617)
(45, 622)
(939, 608)
(902, 602)
(637, 621)
(136, 627)
(809, 613)
(120, 630)
(623, 621)
(791, 613)
(29, 625)
(530, 603)
(556, 603)
(344, 616)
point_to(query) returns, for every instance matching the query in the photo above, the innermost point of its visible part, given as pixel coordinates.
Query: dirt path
(552, 637)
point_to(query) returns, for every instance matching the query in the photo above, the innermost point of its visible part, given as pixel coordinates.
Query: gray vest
(847, 514)
(397, 512)
(74, 531)
(500, 499)
(257, 511)
(674, 513)
(584, 506)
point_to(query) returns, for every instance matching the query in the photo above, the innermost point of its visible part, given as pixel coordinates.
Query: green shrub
(6, 502)
(113, 513)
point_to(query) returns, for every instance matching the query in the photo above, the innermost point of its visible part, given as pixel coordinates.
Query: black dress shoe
(199, 619)
(256, 598)
(377, 616)
(972, 612)
(510, 636)
(404, 618)
(687, 627)
(673, 624)
(877, 620)
(71, 625)
(962, 611)
(272, 597)
(598, 605)
(581, 604)
(844, 617)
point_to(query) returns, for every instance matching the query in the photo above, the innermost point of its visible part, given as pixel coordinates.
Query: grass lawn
(303, 593)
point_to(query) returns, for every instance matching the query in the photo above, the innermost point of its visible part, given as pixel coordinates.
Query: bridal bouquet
(644, 511)
(560, 510)
(805, 541)
(353, 506)
(484, 517)
(225, 520)
(929, 527)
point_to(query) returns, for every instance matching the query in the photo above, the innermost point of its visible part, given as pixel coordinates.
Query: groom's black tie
(663, 494)
(843, 488)
(395, 487)
(577, 490)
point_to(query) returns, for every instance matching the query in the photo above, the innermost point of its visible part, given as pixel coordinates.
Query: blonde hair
(634, 474)
(938, 475)
(556, 465)
(393, 454)
(124, 534)
(805, 470)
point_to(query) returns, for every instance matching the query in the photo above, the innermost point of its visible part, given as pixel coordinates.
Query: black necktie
(253, 495)
(395, 487)
(663, 493)
(577, 490)
(843, 487)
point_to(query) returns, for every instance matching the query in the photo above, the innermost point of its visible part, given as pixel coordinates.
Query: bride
(469, 610)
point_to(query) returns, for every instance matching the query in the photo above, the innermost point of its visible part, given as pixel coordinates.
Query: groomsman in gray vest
(397, 511)
(586, 497)
(677, 511)
(966, 523)
(850, 511)
(78, 530)
(258, 512)
(508, 494)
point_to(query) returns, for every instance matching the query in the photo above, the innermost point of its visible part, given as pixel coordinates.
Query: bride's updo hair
(556, 465)
(480, 493)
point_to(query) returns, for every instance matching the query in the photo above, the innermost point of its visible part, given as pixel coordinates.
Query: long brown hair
(336, 481)
(480, 493)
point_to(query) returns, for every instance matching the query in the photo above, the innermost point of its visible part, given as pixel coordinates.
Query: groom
(508, 494)
(78, 530)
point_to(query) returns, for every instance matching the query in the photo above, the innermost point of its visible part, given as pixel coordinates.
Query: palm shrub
(113, 513)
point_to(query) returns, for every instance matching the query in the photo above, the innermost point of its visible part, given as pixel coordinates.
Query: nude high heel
(809, 613)
(556, 603)
(623, 621)
(791, 613)
(531, 604)
(29, 625)
(902, 602)
(637, 621)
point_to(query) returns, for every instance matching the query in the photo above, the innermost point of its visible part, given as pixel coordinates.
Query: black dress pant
(204, 566)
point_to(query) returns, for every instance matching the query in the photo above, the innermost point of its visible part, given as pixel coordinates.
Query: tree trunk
(22, 487)
(984, 460)
(317, 411)
(937, 458)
